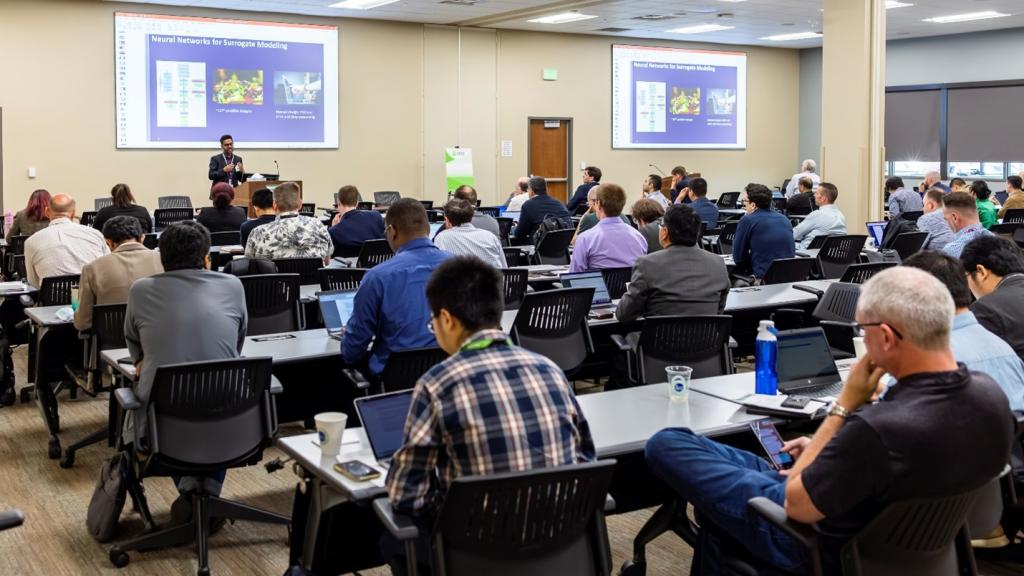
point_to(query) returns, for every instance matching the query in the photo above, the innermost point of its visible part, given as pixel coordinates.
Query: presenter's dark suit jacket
(217, 174)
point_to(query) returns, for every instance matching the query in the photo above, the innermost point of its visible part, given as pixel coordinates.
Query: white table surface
(307, 453)
(46, 315)
(734, 387)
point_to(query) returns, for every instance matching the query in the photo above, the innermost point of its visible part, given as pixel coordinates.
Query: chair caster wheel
(26, 396)
(53, 449)
(7, 398)
(630, 568)
(118, 558)
(203, 572)
(68, 460)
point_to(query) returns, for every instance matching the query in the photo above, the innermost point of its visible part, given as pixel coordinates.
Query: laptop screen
(336, 307)
(804, 355)
(383, 419)
(435, 227)
(588, 280)
(877, 231)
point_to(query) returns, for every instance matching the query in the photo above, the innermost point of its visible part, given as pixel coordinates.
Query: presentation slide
(182, 82)
(675, 98)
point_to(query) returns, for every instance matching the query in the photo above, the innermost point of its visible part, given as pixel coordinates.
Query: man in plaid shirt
(491, 407)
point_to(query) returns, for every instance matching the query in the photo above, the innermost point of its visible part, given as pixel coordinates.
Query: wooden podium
(243, 192)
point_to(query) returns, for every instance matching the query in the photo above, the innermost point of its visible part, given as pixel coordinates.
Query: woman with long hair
(123, 205)
(33, 217)
(222, 216)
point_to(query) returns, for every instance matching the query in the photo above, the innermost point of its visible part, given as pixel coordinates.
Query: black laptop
(383, 417)
(805, 365)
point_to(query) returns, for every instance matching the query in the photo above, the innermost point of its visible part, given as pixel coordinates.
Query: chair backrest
(308, 269)
(554, 247)
(162, 217)
(859, 273)
(839, 303)
(726, 236)
(728, 199)
(386, 197)
(1014, 215)
(513, 256)
(108, 326)
(230, 238)
(912, 215)
(101, 203)
(1018, 236)
(56, 290)
(87, 218)
(341, 278)
(700, 342)
(515, 281)
(554, 323)
(211, 415)
(543, 522)
(779, 204)
(504, 229)
(909, 243)
(174, 202)
(492, 211)
(783, 270)
(249, 267)
(373, 252)
(18, 266)
(404, 367)
(428, 205)
(615, 280)
(307, 209)
(838, 252)
(817, 242)
(16, 244)
(272, 301)
(364, 205)
(151, 240)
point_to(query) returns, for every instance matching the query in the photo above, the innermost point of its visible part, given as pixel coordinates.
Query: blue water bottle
(765, 352)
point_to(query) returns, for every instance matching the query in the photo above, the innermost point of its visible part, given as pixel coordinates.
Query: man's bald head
(61, 206)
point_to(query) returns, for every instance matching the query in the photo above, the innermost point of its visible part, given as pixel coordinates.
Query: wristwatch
(837, 410)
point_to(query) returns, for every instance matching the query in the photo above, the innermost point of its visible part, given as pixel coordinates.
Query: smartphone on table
(771, 442)
(356, 471)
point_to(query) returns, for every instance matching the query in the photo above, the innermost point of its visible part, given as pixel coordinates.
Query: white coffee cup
(330, 427)
(859, 348)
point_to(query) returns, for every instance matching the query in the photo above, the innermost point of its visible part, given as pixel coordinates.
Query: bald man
(519, 195)
(64, 246)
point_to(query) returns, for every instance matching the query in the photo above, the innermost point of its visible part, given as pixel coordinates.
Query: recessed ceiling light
(793, 36)
(563, 18)
(732, 1)
(966, 17)
(700, 28)
(889, 4)
(361, 4)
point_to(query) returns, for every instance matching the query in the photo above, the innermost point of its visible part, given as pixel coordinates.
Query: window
(913, 168)
(976, 170)
(1014, 168)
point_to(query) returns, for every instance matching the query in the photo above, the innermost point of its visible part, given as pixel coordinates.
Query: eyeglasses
(858, 328)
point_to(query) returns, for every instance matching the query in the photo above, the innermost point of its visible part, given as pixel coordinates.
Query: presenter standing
(227, 166)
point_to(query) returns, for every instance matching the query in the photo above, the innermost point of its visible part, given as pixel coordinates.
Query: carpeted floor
(53, 540)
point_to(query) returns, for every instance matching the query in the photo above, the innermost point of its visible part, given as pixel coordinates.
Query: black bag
(107, 499)
(551, 224)
(250, 267)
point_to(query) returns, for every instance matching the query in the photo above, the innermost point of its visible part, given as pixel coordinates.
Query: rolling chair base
(671, 516)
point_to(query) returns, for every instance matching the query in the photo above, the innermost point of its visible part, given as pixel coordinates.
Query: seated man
(902, 199)
(807, 170)
(390, 309)
(961, 213)
(934, 221)
(460, 422)
(863, 456)
(995, 274)
(519, 196)
(762, 236)
(106, 280)
(707, 210)
(263, 204)
(648, 215)
(802, 202)
(589, 219)
(612, 243)
(481, 221)
(64, 246)
(350, 226)
(291, 235)
(681, 279)
(827, 220)
(652, 190)
(972, 343)
(1014, 195)
(536, 209)
(461, 238)
(186, 314)
(591, 177)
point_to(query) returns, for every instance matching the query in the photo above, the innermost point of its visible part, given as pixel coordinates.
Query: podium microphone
(656, 168)
(278, 169)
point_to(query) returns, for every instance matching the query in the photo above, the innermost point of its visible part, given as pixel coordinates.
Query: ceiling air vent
(460, 2)
(612, 30)
(654, 17)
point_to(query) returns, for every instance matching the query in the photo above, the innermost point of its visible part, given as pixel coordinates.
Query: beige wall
(400, 100)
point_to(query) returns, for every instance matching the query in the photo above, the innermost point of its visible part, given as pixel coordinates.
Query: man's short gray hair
(933, 174)
(913, 301)
(808, 165)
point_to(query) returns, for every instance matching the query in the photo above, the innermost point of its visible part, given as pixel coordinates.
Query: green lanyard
(482, 344)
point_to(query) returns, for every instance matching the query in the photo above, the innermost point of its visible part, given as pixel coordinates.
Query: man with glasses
(863, 456)
(390, 310)
(961, 213)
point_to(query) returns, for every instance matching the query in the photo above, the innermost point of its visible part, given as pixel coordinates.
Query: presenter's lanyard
(483, 344)
(231, 175)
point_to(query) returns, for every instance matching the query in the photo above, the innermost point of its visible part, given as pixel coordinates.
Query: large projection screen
(182, 82)
(676, 98)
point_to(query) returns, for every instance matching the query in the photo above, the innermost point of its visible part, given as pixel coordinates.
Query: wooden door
(550, 142)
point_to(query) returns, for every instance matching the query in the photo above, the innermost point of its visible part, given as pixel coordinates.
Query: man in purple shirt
(612, 243)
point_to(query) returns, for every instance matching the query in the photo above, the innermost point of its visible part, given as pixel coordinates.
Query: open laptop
(602, 301)
(383, 417)
(435, 228)
(336, 307)
(805, 365)
(876, 230)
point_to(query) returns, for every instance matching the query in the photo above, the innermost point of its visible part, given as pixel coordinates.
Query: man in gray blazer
(681, 279)
(186, 314)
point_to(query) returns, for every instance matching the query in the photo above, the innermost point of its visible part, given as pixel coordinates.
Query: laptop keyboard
(832, 390)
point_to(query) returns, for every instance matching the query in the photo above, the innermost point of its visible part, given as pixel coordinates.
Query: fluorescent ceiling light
(732, 1)
(361, 4)
(700, 28)
(966, 17)
(563, 18)
(793, 36)
(889, 4)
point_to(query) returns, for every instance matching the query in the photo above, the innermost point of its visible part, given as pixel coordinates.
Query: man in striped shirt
(491, 407)
(462, 238)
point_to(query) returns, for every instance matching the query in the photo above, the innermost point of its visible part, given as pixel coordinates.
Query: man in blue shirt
(591, 178)
(536, 209)
(390, 309)
(351, 227)
(961, 213)
(762, 235)
(680, 181)
(697, 194)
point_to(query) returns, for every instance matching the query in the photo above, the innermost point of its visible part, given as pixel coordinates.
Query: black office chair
(55, 291)
(308, 269)
(341, 278)
(1014, 216)
(249, 267)
(151, 240)
(581, 209)
(553, 248)
(726, 236)
(18, 267)
(308, 209)
(404, 367)
(15, 247)
(1005, 228)
(87, 218)
(700, 342)
(785, 270)
(615, 279)
(505, 229)
(428, 205)
(231, 238)
(101, 203)
(492, 211)
(817, 242)
(728, 199)
(515, 281)
(912, 215)
(860, 273)
(542, 522)
(272, 301)
(174, 202)
(838, 252)
(364, 205)
(553, 323)
(164, 217)
(514, 257)
(386, 197)
(202, 417)
(909, 243)
(1018, 237)
(836, 312)
(780, 204)
(374, 252)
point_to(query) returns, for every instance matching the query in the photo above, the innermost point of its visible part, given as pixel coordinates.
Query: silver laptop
(336, 307)
(383, 417)
(805, 365)
(602, 301)
(876, 230)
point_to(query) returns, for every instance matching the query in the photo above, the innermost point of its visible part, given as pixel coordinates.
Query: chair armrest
(275, 385)
(355, 376)
(127, 399)
(401, 527)
(27, 301)
(776, 515)
(620, 341)
(10, 519)
(609, 504)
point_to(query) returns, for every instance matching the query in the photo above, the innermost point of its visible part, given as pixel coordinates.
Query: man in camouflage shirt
(291, 235)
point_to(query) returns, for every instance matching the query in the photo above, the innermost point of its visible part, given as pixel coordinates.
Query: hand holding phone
(771, 442)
